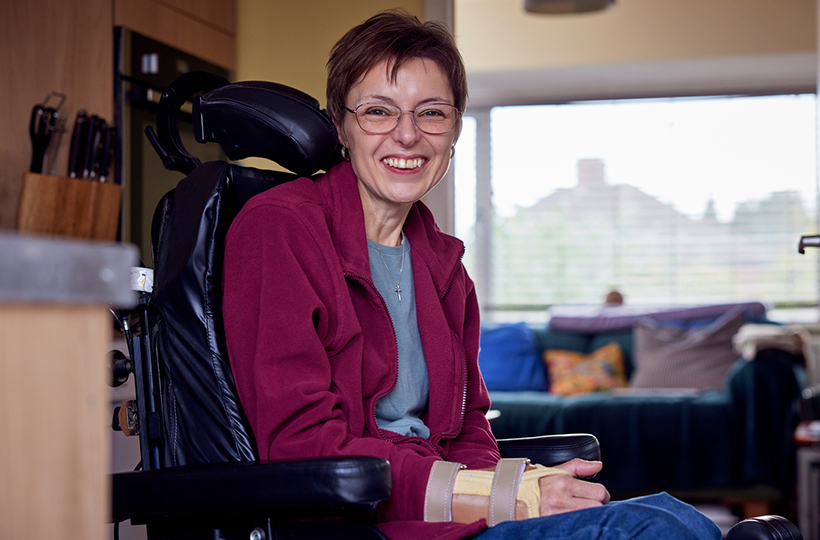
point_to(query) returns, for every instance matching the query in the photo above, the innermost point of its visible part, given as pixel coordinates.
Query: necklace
(401, 270)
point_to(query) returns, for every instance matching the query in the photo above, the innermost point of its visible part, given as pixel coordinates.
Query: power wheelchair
(200, 476)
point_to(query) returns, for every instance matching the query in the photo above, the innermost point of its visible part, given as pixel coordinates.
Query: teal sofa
(734, 442)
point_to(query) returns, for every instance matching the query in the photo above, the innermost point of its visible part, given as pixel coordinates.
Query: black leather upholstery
(554, 450)
(298, 489)
(202, 419)
(301, 139)
(764, 528)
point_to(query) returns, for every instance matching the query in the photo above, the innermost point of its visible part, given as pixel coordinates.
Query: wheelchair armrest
(316, 487)
(765, 528)
(551, 450)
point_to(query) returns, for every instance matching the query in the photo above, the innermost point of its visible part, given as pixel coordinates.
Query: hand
(561, 493)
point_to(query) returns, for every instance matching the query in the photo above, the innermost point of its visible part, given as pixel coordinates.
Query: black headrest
(247, 119)
(268, 120)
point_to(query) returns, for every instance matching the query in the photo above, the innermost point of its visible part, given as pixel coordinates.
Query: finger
(575, 488)
(568, 487)
(564, 494)
(581, 467)
(591, 491)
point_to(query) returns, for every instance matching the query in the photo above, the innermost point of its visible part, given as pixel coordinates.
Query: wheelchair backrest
(202, 417)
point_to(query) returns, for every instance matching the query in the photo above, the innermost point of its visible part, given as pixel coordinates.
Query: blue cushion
(510, 359)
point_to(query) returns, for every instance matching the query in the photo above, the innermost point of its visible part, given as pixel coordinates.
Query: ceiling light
(566, 6)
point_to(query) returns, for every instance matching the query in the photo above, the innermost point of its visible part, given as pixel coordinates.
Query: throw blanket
(793, 338)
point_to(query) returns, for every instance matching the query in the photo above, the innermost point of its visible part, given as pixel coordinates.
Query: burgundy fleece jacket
(313, 348)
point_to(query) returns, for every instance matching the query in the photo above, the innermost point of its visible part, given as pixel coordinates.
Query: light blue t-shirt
(400, 411)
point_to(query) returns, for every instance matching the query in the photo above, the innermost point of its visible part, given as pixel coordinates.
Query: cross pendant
(398, 292)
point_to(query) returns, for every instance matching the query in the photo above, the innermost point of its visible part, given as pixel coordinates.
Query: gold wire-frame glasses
(431, 118)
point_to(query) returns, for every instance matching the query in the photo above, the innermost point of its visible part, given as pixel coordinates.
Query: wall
(636, 48)
(497, 35)
(48, 45)
(505, 47)
(288, 42)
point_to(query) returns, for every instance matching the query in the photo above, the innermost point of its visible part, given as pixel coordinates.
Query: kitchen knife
(58, 128)
(76, 152)
(92, 141)
(40, 131)
(103, 158)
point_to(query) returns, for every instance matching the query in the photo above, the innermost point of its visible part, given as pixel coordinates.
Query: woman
(352, 326)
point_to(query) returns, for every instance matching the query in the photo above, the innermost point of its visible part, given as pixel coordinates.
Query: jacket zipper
(434, 442)
(367, 281)
(452, 434)
(448, 285)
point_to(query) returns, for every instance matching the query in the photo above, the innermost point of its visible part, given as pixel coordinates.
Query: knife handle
(107, 152)
(103, 159)
(38, 130)
(77, 140)
(92, 140)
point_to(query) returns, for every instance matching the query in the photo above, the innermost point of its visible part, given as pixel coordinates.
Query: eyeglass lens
(434, 119)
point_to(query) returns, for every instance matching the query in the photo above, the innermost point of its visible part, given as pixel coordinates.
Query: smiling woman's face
(397, 168)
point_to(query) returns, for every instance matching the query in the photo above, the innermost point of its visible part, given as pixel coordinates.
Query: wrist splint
(509, 483)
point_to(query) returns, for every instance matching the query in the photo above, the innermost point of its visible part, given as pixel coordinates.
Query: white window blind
(668, 201)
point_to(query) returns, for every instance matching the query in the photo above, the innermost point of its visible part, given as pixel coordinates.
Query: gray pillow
(668, 357)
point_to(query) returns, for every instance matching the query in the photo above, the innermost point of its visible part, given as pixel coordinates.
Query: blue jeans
(655, 517)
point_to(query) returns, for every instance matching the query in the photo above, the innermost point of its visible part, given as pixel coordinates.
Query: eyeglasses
(433, 119)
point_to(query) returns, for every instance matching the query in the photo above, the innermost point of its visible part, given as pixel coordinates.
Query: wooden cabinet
(55, 330)
(204, 28)
(67, 46)
(62, 46)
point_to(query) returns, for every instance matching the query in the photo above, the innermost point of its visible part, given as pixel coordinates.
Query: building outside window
(677, 201)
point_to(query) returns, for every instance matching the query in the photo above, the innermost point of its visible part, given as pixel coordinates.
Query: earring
(345, 153)
(452, 151)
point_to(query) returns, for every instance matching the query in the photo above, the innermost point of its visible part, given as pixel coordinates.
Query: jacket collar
(440, 252)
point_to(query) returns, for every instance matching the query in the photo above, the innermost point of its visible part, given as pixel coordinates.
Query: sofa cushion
(673, 357)
(549, 338)
(576, 373)
(510, 359)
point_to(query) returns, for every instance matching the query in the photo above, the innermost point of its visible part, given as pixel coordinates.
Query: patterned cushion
(572, 372)
(673, 357)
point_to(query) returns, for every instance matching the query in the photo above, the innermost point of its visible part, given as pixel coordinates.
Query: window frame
(746, 76)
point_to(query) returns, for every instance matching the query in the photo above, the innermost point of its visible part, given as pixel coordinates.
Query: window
(668, 201)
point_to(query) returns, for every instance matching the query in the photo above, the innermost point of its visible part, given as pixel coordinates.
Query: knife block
(56, 205)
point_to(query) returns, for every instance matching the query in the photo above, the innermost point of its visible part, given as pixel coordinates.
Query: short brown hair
(396, 36)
